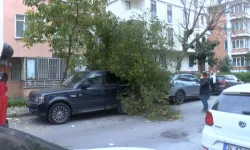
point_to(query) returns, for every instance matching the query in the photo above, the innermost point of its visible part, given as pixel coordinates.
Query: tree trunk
(66, 68)
(179, 61)
(201, 66)
(67, 60)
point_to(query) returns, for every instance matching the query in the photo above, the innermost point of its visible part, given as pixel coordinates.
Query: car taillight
(223, 82)
(209, 119)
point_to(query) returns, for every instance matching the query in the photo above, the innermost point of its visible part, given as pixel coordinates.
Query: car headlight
(39, 99)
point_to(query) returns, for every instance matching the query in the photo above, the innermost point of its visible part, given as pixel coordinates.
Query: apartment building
(171, 12)
(235, 38)
(31, 68)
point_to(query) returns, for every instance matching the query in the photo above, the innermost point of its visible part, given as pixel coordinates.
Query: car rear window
(220, 78)
(237, 104)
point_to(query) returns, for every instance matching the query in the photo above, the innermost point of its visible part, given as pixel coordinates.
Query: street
(104, 129)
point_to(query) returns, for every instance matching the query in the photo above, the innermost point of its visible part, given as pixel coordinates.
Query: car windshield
(231, 77)
(74, 79)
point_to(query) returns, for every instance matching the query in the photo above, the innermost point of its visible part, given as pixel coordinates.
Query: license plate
(233, 147)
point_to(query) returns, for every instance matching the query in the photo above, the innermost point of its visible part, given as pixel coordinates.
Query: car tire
(59, 113)
(179, 97)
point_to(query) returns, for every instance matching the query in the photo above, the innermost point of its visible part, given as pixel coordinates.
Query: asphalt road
(107, 129)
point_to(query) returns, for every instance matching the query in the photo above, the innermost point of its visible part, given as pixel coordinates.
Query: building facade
(235, 41)
(172, 12)
(31, 68)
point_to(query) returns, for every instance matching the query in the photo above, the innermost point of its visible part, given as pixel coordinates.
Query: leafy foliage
(136, 51)
(63, 25)
(225, 64)
(204, 52)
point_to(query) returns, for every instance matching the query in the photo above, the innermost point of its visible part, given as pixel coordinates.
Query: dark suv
(82, 92)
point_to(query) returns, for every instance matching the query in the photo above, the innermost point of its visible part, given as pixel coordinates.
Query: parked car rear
(225, 81)
(184, 86)
(227, 122)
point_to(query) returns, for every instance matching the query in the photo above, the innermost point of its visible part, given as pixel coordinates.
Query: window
(192, 78)
(236, 9)
(236, 104)
(170, 36)
(127, 5)
(236, 26)
(183, 78)
(234, 61)
(95, 79)
(169, 13)
(238, 61)
(197, 23)
(31, 70)
(233, 43)
(242, 61)
(191, 62)
(225, 27)
(15, 72)
(153, 8)
(225, 45)
(20, 26)
(232, 10)
(240, 43)
(240, 8)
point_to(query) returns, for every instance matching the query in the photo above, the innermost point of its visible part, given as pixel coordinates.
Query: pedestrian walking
(204, 90)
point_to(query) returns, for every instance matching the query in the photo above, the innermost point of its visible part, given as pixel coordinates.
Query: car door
(185, 84)
(111, 89)
(91, 98)
(194, 85)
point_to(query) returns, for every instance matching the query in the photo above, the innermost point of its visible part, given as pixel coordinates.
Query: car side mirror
(85, 85)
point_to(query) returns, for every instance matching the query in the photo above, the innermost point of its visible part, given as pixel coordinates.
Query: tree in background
(204, 52)
(225, 64)
(198, 14)
(63, 25)
(137, 51)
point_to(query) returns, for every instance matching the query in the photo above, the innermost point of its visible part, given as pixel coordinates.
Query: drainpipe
(228, 22)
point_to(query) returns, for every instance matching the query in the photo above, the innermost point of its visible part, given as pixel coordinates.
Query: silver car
(184, 86)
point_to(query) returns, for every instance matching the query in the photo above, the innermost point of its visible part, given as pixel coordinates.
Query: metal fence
(42, 72)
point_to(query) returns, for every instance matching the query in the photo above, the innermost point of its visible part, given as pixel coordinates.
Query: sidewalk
(16, 112)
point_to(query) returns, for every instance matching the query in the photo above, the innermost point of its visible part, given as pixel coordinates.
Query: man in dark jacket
(204, 90)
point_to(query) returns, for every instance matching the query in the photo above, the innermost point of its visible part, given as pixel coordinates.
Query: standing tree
(225, 64)
(204, 52)
(64, 25)
(194, 12)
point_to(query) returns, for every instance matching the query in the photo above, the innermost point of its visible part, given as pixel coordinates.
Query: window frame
(24, 26)
(127, 3)
(226, 45)
(169, 13)
(153, 12)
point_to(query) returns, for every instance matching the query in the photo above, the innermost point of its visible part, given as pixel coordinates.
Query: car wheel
(179, 97)
(59, 113)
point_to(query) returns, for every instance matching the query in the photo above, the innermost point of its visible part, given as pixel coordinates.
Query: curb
(19, 115)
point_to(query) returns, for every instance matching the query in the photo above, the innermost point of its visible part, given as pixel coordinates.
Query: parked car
(12, 139)
(82, 92)
(227, 124)
(184, 86)
(17, 140)
(225, 81)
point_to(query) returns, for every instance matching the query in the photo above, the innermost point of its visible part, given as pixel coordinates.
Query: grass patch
(16, 101)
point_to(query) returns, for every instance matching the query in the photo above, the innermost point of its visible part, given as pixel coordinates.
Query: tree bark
(67, 60)
(179, 61)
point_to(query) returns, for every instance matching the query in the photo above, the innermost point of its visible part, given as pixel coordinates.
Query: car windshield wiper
(246, 112)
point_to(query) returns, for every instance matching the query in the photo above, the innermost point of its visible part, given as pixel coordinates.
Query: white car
(122, 148)
(228, 121)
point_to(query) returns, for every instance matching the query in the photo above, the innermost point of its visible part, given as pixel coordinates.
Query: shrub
(16, 101)
(243, 76)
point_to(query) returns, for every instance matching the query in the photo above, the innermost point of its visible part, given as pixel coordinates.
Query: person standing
(213, 81)
(204, 90)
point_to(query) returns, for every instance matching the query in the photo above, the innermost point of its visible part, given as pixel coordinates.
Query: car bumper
(37, 109)
(212, 141)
